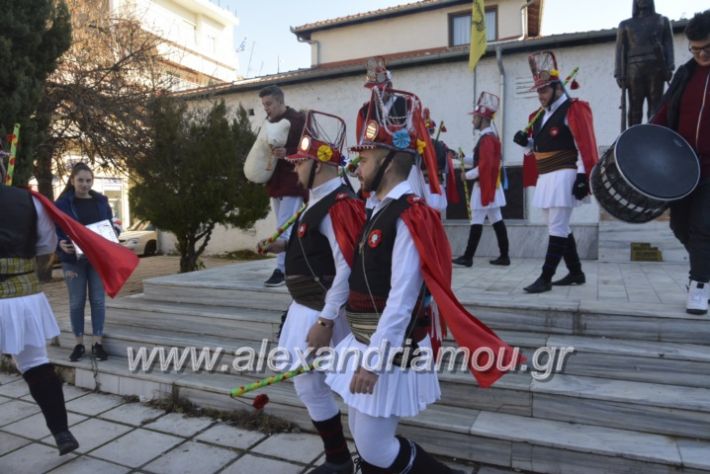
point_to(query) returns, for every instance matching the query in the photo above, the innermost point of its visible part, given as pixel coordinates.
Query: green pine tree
(194, 178)
(33, 35)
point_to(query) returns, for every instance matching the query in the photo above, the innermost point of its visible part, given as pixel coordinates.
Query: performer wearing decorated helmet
(419, 177)
(561, 152)
(26, 319)
(402, 247)
(319, 255)
(686, 109)
(393, 107)
(487, 196)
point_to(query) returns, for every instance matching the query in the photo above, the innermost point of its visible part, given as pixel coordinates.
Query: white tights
(30, 356)
(558, 220)
(374, 437)
(316, 395)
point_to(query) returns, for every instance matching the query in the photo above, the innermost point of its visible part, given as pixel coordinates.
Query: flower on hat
(325, 153)
(421, 145)
(401, 139)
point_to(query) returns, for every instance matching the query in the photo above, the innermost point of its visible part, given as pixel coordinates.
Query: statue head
(645, 6)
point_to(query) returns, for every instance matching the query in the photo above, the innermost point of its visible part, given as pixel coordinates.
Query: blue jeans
(78, 275)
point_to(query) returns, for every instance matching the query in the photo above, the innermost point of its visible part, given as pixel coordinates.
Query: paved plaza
(121, 436)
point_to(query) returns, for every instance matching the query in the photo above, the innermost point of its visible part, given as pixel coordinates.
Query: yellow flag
(478, 34)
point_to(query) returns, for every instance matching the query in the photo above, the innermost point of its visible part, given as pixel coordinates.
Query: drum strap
(549, 161)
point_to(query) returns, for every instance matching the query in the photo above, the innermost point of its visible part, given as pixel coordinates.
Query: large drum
(648, 167)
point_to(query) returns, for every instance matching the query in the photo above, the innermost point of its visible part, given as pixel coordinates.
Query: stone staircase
(633, 397)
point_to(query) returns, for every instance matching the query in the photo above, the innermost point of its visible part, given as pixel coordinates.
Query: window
(460, 27)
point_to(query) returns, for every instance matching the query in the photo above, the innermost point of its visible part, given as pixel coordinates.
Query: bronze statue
(644, 59)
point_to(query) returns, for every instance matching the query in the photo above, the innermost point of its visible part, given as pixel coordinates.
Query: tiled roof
(304, 31)
(410, 59)
(407, 7)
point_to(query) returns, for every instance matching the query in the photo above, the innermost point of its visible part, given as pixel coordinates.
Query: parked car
(141, 238)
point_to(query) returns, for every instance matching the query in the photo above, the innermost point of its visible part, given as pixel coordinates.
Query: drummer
(686, 109)
(562, 142)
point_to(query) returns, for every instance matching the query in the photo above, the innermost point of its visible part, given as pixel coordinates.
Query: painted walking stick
(542, 109)
(465, 185)
(13, 151)
(264, 244)
(271, 380)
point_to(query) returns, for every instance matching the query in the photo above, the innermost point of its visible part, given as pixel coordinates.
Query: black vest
(554, 135)
(308, 250)
(18, 223)
(372, 265)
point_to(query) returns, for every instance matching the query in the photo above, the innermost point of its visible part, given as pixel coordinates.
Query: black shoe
(571, 279)
(66, 442)
(540, 286)
(98, 351)
(77, 353)
(330, 468)
(276, 279)
(463, 261)
(500, 261)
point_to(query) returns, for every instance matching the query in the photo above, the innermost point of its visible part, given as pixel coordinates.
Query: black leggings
(690, 222)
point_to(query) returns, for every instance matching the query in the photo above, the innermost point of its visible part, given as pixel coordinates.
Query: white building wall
(416, 31)
(199, 35)
(447, 89)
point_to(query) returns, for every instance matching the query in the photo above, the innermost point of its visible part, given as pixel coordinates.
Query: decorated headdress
(377, 73)
(543, 66)
(487, 105)
(429, 122)
(322, 139)
(395, 121)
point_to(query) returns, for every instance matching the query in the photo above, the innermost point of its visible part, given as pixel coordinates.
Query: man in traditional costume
(319, 255)
(27, 229)
(487, 196)
(26, 319)
(384, 307)
(561, 152)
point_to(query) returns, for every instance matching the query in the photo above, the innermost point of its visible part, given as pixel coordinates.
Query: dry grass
(253, 420)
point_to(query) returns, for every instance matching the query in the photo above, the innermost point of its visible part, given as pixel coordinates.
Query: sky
(267, 45)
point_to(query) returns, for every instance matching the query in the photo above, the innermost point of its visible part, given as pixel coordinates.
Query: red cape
(113, 262)
(435, 255)
(488, 167)
(348, 217)
(581, 124)
(452, 191)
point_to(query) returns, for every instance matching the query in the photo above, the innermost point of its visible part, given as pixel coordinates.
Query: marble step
(642, 361)
(147, 320)
(500, 439)
(119, 340)
(637, 321)
(654, 408)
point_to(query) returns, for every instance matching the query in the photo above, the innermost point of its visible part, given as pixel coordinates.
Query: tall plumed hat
(377, 73)
(395, 121)
(543, 66)
(322, 139)
(487, 105)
